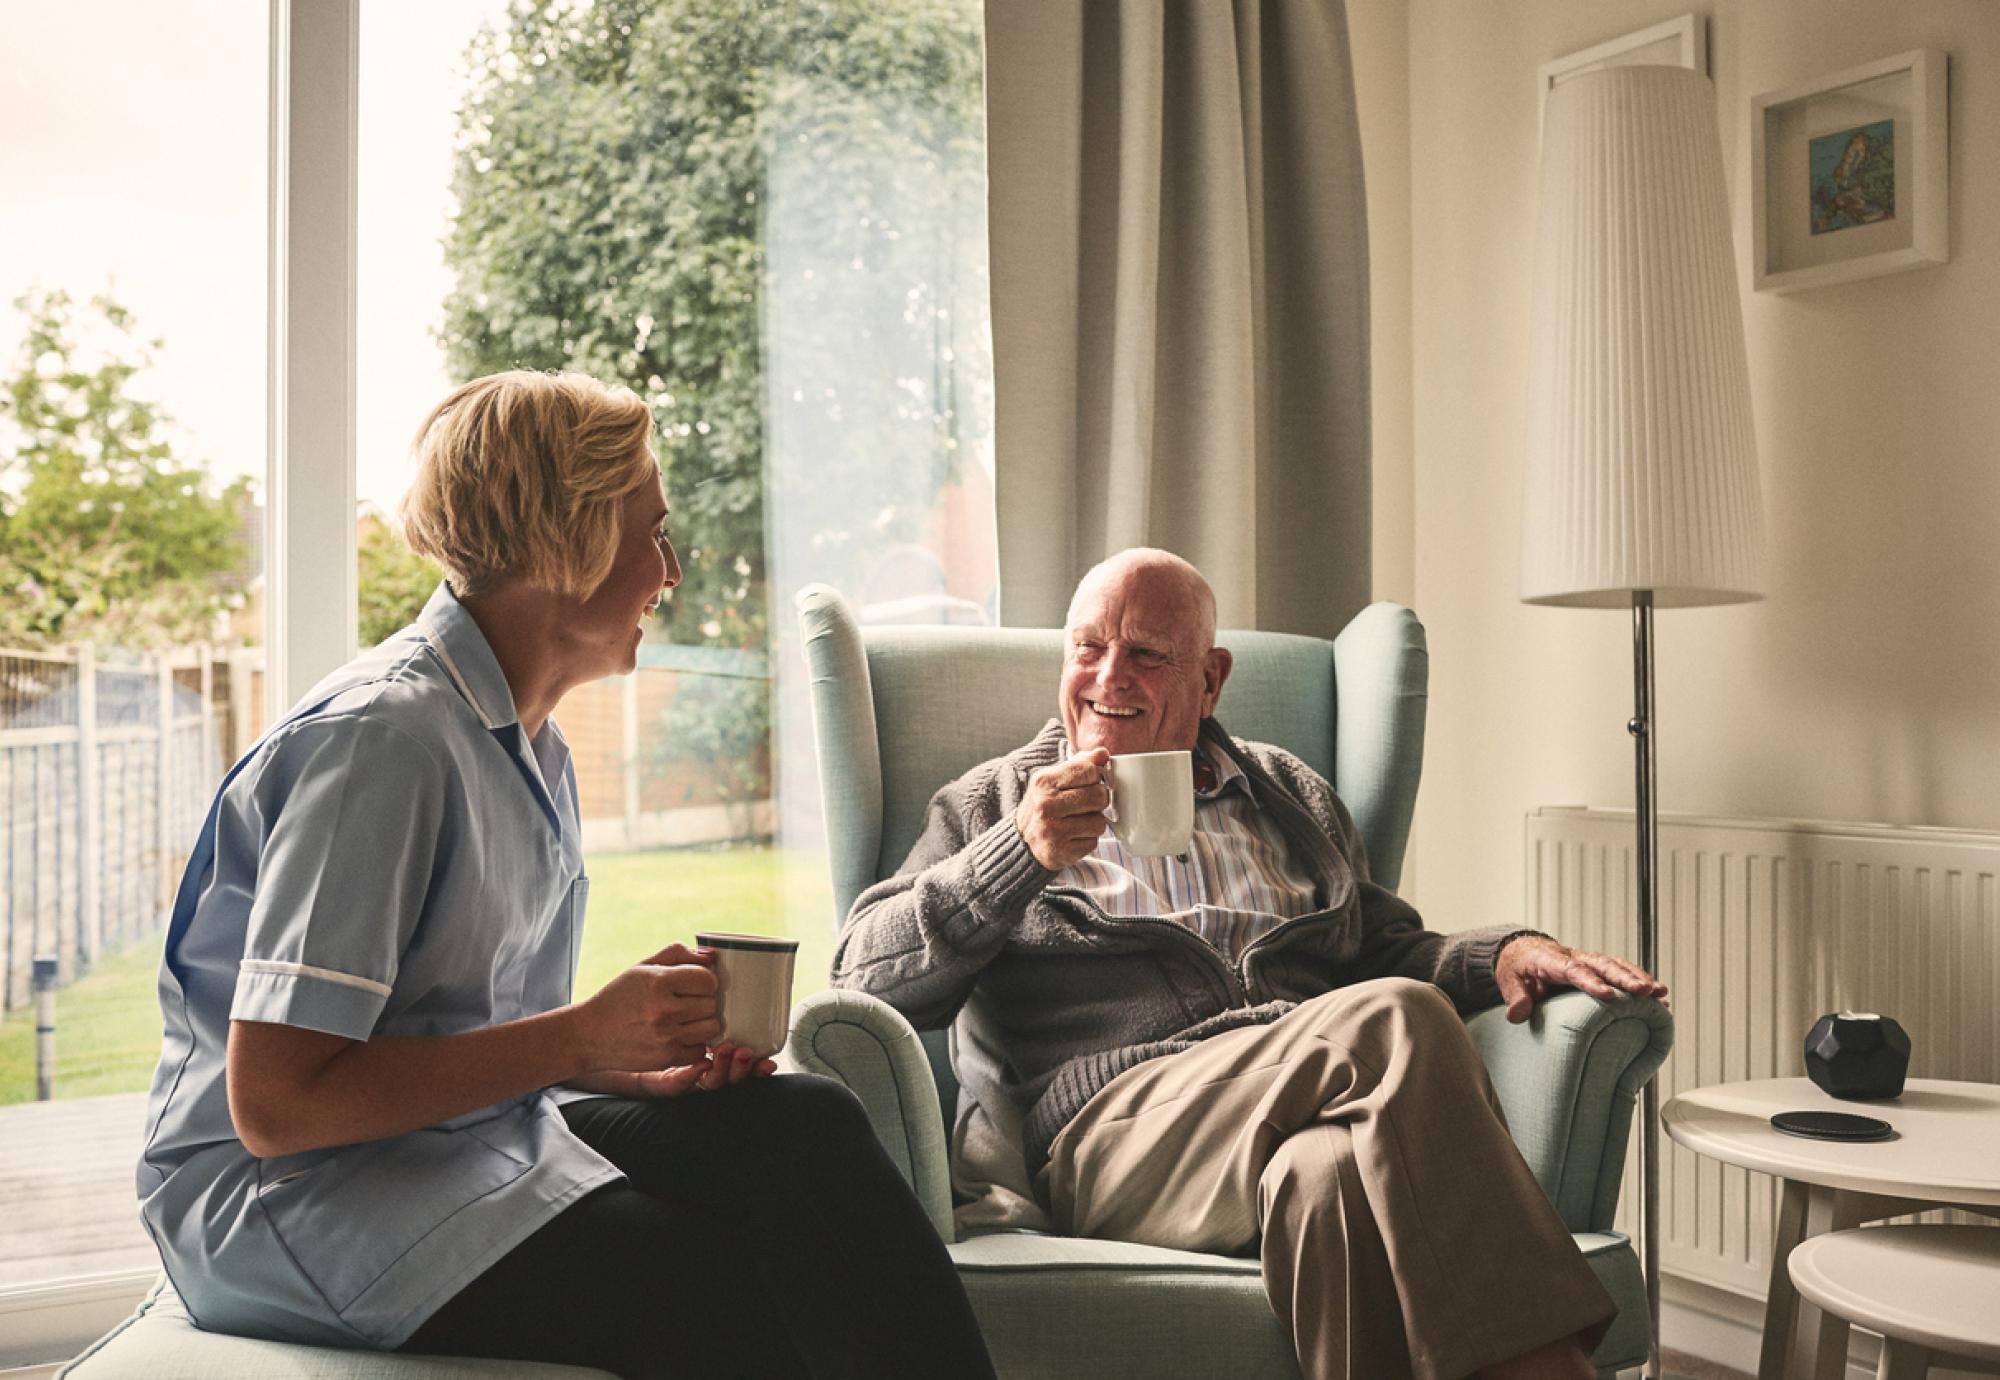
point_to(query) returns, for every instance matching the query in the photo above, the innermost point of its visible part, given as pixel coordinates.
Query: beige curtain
(1179, 257)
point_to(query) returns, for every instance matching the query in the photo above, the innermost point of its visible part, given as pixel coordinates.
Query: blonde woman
(381, 1117)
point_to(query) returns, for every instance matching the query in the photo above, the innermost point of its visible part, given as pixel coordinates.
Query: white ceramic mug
(753, 988)
(1152, 801)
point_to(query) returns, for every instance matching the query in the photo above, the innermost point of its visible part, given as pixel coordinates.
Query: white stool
(1933, 1292)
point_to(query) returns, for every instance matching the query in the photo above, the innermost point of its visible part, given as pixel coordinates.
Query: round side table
(1941, 1155)
(1929, 1290)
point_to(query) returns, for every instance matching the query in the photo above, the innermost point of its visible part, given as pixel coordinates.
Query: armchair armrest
(1566, 1079)
(864, 1043)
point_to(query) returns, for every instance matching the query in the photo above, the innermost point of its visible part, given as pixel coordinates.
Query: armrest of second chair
(865, 1043)
(1566, 1079)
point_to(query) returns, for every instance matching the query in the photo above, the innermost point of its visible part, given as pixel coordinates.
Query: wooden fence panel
(104, 774)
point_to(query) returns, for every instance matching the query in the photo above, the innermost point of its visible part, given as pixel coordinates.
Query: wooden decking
(67, 1204)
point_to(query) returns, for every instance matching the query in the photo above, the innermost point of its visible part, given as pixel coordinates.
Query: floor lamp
(1641, 469)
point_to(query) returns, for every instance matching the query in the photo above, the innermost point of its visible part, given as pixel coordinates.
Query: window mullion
(310, 539)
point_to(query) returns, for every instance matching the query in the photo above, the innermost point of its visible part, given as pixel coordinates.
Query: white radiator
(1765, 925)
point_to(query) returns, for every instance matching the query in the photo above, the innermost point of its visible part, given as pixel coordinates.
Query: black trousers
(761, 1231)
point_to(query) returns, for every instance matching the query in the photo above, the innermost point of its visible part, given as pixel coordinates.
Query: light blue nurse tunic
(395, 857)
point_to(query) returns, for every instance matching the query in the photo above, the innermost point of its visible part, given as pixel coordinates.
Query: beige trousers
(1359, 1139)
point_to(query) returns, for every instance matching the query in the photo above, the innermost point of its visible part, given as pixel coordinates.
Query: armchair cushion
(160, 1342)
(1127, 1312)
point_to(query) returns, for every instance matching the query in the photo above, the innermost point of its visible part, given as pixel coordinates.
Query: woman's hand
(724, 1067)
(656, 1017)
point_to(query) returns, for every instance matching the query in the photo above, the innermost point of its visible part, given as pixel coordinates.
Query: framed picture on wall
(1848, 174)
(1679, 42)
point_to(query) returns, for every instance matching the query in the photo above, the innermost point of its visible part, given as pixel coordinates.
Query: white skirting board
(1764, 925)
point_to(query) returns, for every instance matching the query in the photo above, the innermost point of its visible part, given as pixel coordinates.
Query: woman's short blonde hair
(524, 475)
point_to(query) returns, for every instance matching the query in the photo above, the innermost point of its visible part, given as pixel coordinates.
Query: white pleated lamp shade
(1641, 470)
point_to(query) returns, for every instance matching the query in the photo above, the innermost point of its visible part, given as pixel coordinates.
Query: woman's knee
(812, 1108)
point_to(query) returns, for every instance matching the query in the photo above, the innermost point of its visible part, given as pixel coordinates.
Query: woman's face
(606, 630)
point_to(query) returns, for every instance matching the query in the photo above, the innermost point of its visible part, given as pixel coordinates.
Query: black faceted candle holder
(1857, 1055)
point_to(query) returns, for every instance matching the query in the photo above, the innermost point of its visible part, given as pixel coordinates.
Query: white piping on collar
(458, 679)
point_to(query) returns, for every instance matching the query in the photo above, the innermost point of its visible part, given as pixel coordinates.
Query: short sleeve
(351, 810)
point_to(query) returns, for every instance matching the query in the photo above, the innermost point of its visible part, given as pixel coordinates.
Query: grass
(107, 1031)
(108, 1023)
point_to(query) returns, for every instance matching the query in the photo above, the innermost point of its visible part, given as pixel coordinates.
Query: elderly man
(1251, 1046)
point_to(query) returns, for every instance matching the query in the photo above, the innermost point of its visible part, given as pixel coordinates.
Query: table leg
(1902, 1360)
(1781, 1300)
(1824, 1352)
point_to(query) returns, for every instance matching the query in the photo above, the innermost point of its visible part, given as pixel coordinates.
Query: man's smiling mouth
(1113, 711)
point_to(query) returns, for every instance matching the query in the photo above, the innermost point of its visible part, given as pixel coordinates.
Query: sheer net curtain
(876, 362)
(1178, 247)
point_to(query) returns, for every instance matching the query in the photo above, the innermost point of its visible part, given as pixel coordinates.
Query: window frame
(310, 593)
(311, 618)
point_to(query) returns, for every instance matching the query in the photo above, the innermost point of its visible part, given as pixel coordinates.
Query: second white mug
(1152, 801)
(753, 988)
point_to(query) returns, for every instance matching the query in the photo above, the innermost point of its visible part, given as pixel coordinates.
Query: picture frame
(1681, 42)
(1849, 174)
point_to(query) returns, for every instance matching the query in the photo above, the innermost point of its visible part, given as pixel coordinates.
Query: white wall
(1866, 687)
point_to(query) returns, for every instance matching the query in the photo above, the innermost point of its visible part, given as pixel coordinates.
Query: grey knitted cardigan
(1054, 998)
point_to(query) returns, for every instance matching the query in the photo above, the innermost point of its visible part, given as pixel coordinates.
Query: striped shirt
(1236, 880)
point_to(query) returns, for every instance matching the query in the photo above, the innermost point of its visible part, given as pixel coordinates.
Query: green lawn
(108, 1024)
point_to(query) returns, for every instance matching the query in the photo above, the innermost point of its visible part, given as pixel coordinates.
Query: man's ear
(1214, 671)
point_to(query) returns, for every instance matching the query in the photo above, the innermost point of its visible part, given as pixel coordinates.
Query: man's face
(1137, 675)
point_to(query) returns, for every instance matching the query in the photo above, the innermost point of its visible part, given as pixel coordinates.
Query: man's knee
(1305, 1168)
(1408, 1001)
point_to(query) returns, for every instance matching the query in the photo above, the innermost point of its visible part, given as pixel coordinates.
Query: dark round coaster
(1832, 1126)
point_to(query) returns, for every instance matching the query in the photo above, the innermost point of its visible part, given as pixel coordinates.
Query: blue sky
(134, 158)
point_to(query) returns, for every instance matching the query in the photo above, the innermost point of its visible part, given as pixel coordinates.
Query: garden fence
(105, 769)
(108, 765)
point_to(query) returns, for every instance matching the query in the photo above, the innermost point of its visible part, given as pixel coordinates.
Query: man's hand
(1532, 966)
(656, 1015)
(1062, 815)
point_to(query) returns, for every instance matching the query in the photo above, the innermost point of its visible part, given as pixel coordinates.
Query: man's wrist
(1500, 949)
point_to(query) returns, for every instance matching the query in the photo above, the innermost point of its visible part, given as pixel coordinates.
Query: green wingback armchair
(899, 711)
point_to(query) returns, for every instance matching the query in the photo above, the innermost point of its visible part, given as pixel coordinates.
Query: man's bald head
(1164, 581)
(1140, 665)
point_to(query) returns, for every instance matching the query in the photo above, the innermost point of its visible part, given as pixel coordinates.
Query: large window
(767, 218)
(133, 225)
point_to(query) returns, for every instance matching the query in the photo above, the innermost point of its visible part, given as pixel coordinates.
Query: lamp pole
(1641, 479)
(1641, 729)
